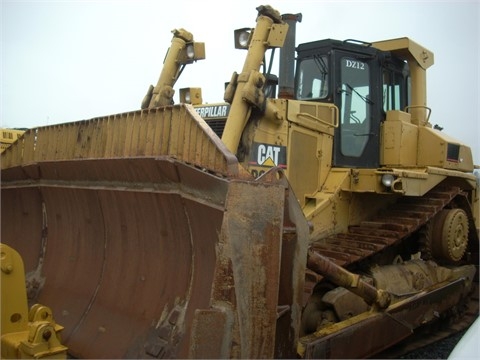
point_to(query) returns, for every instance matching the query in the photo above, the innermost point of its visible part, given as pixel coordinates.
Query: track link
(387, 228)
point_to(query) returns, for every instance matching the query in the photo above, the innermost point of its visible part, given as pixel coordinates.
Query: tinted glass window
(355, 106)
(312, 80)
(392, 91)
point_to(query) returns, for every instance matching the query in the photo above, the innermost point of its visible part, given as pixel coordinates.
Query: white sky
(68, 60)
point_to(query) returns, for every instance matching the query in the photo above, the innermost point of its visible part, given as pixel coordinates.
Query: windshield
(312, 78)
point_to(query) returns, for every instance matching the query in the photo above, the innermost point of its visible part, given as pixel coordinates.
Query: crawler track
(388, 228)
(444, 329)
(380, 238)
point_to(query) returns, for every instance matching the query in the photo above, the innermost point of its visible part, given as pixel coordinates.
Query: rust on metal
(173, 131)
(136, 231)
(329, 257)
(371, 332)
(342, 277)
(388, 228)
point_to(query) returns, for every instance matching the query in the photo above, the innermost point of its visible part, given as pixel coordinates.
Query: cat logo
(269, 155)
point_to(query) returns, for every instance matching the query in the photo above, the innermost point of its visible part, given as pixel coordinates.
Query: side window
(312, 80)
(392, 91)
(355, 106)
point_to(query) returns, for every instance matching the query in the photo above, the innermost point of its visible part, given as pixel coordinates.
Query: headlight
(387, 180)
(190, 51)
(188, 100)
(191, 95)
(242, 38)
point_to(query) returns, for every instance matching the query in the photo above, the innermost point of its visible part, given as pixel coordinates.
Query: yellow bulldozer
(330, 220)
(8, 137)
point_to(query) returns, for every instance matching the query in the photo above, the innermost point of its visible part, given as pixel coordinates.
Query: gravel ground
(439, 350)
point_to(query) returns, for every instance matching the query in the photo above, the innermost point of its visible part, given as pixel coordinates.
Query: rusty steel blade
(141, 232)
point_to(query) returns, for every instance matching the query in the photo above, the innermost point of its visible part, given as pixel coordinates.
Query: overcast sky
(63, 61)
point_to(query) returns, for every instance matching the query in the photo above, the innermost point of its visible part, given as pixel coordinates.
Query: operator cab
(363, 82)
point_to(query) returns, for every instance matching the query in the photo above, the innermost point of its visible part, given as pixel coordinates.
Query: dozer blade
(147, 239)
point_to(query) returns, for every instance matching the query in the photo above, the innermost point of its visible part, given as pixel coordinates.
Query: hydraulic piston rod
(350, 281)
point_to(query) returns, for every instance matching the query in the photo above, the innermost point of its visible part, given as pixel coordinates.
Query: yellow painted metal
(14, 295)
(305, 130)
(401, 281)
(332, 198)
(25, 335)
(433, 151)
(399, 140)
(408, 49)
(176, 131)
(249, 82)
(326, 209)
(306, 167)
(419, 60)
(269, 132)
(162, 93)
(191, 96)
(321, 117)
(404, 144)
(8, 137)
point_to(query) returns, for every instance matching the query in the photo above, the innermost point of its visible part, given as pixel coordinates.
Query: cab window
(393, 91)
(312, 81)
(355, 106)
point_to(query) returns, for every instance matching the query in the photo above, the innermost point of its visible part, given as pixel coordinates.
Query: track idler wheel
(449, 235)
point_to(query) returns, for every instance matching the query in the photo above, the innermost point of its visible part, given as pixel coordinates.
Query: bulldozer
(8, 137)
(330, 221)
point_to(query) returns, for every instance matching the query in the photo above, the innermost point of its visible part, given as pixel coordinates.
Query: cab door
(357, 137)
